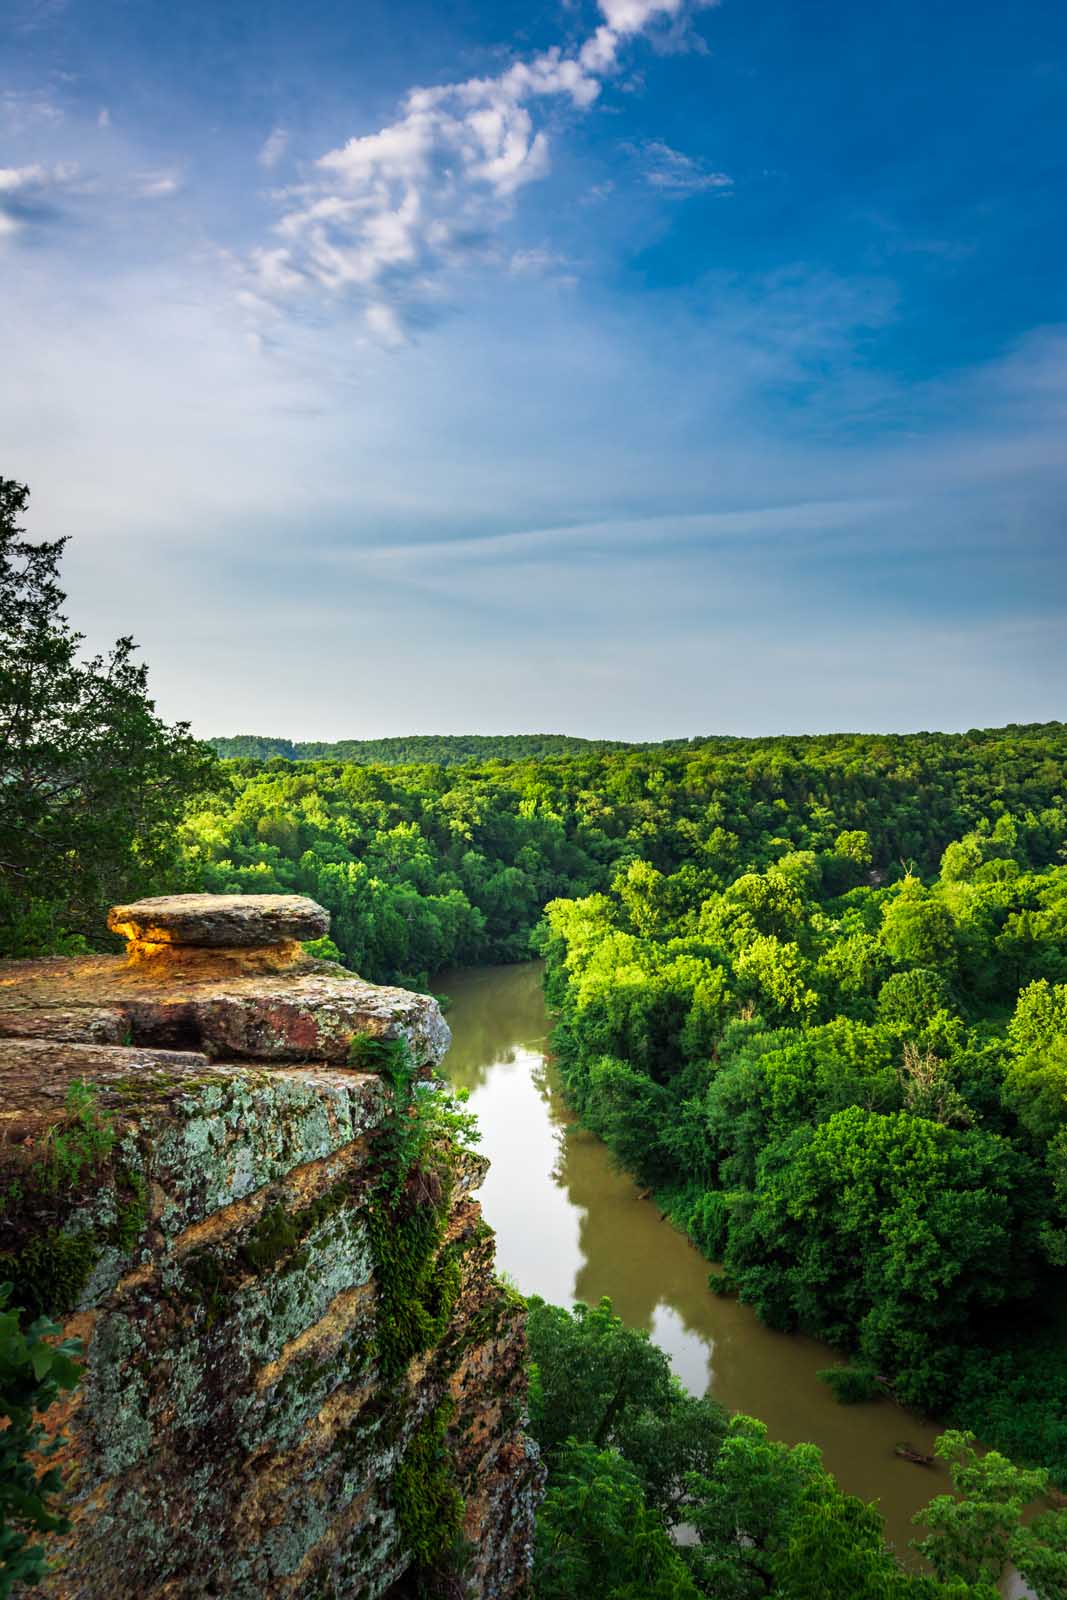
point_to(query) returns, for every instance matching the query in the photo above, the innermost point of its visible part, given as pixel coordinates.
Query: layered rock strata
(234, 1434)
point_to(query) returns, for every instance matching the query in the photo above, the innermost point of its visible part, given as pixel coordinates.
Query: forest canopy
(852, 1094)
(424, 866)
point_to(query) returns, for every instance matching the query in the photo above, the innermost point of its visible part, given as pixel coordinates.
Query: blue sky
(640, 368)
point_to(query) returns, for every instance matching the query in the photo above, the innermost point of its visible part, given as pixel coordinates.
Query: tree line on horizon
(458, 749)
(444, 750)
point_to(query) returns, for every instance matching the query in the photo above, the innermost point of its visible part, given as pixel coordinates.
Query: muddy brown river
(570, 1226)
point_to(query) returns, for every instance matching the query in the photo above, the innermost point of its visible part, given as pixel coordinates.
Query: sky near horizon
(629, 368)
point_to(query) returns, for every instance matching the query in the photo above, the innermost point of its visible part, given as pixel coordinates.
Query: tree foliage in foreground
(978, 1530)
(92, 781)
(34, 1369)
(630, 1456)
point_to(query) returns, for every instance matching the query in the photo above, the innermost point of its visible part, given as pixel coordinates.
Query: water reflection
(570, 1226)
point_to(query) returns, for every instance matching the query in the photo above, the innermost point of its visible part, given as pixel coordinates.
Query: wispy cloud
(385, 217)
(541, 263)
(156, 185)
(802, 520)
(676, 172)
(273, 148)
(22, 111)
(30, 15)
(42, 195)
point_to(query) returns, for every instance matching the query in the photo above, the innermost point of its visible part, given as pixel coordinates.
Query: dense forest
(853, 1095)
(814, 991)
(427, 866)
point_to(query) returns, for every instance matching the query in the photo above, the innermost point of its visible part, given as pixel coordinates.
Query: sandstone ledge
(311, 1011)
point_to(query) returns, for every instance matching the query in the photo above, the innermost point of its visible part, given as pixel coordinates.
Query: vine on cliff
(429, 1506)
(418, 1282)
(48, 1178)
(47, 1264)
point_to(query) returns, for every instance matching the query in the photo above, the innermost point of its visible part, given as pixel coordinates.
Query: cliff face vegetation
(225, 1174)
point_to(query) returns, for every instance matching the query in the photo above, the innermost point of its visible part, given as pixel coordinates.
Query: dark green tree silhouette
(92, 781)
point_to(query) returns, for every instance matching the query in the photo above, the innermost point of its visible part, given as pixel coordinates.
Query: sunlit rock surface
(232, 1436)
(219, 921)
(208, 1001)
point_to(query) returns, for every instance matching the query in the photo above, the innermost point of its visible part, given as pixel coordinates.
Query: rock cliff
(302, 1376)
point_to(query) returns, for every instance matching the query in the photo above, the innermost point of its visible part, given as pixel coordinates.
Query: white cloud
(384, 323)
(274, 148)
(598, 52)
(27, 193)
(14, 180)
(386, 217)
(536, 263)
(103, 119)
(633, 16)
(672, 170)
(274, 273)
(22, 112)
(156, 185)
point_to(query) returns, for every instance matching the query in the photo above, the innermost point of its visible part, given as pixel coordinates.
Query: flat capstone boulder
(219, 921)
(225, 976)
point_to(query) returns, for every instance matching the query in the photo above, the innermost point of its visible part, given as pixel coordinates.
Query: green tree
(607, 1385)
(641, 890)
(1040, 1016)
(913, 997)
(1035, 1088)
(918, 930)
(888, 1232)
(961, 860)
(855, 845)
(597, 1539)
(976, 1532)
(92, 781)
(1039, 1550)
(773, 1522)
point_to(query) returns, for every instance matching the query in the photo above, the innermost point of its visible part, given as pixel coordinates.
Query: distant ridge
(466, 749)
(437, 749)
